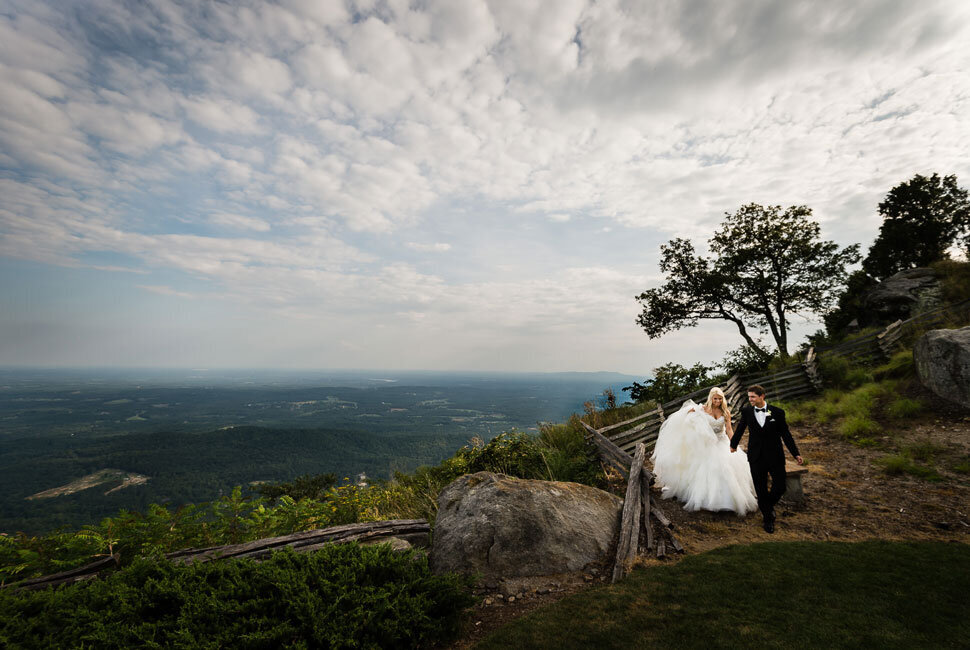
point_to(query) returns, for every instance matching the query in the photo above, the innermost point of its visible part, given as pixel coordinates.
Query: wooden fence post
(811, 369)
(888, 338)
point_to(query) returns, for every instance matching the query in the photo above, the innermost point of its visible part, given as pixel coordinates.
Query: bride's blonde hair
(724, 404)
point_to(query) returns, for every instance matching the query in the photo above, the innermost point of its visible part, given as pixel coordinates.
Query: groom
(768, 428)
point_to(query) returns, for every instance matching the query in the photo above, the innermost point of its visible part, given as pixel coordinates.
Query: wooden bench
(793, 483)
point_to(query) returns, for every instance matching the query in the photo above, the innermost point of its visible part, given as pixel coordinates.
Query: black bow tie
(764, 410)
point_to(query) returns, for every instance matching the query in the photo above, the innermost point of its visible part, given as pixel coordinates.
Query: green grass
(905, 462)
(904, 407)
(963, 466)
(775, 595)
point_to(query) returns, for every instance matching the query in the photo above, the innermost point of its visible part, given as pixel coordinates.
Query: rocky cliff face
(504, 527)
(903, 295)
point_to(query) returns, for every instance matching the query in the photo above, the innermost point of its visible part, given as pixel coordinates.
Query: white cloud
(323, 133)
(239, 221)
(437, 247)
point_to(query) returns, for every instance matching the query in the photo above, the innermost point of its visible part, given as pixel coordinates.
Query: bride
(692, 459)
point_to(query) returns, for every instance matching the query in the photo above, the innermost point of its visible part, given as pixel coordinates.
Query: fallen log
(305, 541)
(86, 572)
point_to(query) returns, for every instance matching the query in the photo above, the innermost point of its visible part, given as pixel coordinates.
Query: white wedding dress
(693, 463)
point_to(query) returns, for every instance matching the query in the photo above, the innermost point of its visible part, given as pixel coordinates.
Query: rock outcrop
(942, 359)
(504, 527)
(903, 295)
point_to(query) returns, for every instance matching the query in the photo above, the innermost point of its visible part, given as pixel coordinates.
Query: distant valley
(93, 443)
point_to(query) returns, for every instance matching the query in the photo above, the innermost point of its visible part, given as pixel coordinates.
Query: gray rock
(505, 527)
(904, 295)
(942, 359)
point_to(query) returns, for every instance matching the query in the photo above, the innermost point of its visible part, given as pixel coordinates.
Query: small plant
(963, 466)
(904, 407)
(903, 463)
(923, 451)
(857, 427)
(900, 366)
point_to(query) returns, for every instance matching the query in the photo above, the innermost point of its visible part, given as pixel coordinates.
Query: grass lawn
(781, 595)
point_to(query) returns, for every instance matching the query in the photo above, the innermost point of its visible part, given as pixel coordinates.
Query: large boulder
(503, 527)
(903, 295)
(942, 360)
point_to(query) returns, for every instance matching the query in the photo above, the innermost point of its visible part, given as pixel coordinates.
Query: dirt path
(848, 498)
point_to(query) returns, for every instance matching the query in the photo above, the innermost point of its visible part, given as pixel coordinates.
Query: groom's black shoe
(769, 522)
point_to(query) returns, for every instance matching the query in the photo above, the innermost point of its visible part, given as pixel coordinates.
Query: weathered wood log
(674, 541)
(303, 541)
(661, 549)
(86, 572)
(626, 546)
(609, 452)
(659, 514)
(645, 499)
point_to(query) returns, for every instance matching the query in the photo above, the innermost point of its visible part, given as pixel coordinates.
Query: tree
(669, 381)
(765, 265)
(922, 218)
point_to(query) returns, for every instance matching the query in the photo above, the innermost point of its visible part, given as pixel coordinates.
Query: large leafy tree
(765, 264)
(669, 381)
(922, 218)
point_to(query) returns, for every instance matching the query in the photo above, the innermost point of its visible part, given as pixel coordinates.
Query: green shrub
(856, 426)
(955, 278)
(903, 463)
(904, 407)
(833, 369)
(857, 377)
(342, 596)
(900, 366)
(827, 411)
(923, 451)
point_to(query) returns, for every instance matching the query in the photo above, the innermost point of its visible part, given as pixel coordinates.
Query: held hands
(799, 459)
(733, 449)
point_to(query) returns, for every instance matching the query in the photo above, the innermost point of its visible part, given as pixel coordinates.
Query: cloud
(280, 151)
(437, 247)
(239, 222)
(164, 290)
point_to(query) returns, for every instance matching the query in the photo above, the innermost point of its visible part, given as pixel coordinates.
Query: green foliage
(962, 466)
(954, 277)
(850, 307)
(342, 596)
(854, 592)
(308, 486)
(669, 381)
(765, 264)
(904, 463)
(742, 360)
(859, 429)
(900, 366)
(922, 217)
(833, 370)
(904, 407)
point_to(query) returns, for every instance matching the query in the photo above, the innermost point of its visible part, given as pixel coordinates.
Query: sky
(444, 185)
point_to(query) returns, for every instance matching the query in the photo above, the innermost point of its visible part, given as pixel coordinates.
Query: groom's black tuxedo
(765, 455)
(764, 442)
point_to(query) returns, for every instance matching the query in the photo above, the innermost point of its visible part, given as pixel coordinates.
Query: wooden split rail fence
(259, 549)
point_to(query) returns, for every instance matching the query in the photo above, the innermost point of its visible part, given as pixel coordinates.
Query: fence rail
(615, 443)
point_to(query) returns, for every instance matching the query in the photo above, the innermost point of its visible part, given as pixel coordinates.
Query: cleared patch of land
(93, 480)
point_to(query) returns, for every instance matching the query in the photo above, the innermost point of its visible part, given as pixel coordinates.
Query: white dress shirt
(761, 416)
